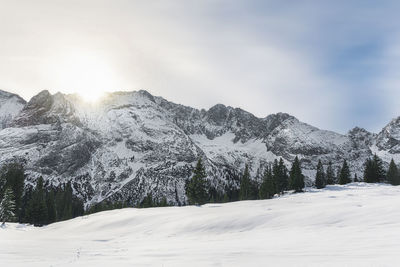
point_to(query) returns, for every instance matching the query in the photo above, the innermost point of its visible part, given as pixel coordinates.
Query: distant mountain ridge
(134, 143)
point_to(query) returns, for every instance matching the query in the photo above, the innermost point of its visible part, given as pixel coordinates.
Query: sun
(92, 96)
(87, 74)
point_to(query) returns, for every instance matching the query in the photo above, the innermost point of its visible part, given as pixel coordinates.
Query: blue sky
(332, 64)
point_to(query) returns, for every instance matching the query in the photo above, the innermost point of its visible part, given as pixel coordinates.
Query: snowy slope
(10, 106)
(133, 143)
(352, 225)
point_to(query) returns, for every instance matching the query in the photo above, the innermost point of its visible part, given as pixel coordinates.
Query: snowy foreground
(353, 225)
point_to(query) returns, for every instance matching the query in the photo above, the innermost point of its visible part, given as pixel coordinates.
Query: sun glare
(91, 96)
(88, 75)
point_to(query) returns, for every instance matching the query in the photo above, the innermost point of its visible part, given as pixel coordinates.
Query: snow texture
(133, 143)
(10, 106)
(352, 225)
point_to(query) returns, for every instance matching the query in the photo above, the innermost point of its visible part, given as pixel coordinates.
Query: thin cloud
(320, 62)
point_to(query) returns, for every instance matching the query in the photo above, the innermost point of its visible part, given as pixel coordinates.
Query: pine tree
(67, 202)
(374, 171)
(344, 177)
(258, 179)
(369, 176)
(59, 200)
(393, 175)
(380, 170)
(254, 189)
(26, 199)
(320, 181)
(163, 202)
(279, 172)
(196, 187)
(330, 174)
(12, 176)
(7, 206)
(337, 177)
(296, 177)
(78, 208)
(267, 188)
(275, 175)
(147, 202)
(226, 198)
(355, 178)
(37, 211)
(245, 185)
(51, 207)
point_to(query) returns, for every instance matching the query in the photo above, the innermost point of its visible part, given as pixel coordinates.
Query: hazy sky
(333, 64)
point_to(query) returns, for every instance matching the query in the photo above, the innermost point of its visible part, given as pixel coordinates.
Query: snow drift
(351, 225)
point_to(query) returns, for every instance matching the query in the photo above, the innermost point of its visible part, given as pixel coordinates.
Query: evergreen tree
(77, 207)
(67, 202)
(37, 211)
(196, 187)
(26, 199)
(296, 177)
(232, 188)
(267, 188)
(330, 174)
(12, 176)
(226, 198)
(374, 171)
(68, 206)
(258, 179)
(393, 175)
(355, 178)
(337, 178)
(380, 170)
(344, 177)
(245, 185)
(7, 206)
(59, 201)
(279, 172)
(320, 181)
(3, 182)
(369, 176)
(163, 202)
(215, 195)
(147, 202)
(51, 207)
(275, 174)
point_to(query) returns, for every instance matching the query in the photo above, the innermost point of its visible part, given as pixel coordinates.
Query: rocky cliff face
(10, 106)
(133, 143)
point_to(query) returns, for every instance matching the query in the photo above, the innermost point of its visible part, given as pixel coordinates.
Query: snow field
(352, 225)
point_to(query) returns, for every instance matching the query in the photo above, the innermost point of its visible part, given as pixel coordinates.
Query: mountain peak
(45, 108)
(131, 141)
(10, 106)
(280, 116)
(146, 94)
(358, 130)
(7, 95)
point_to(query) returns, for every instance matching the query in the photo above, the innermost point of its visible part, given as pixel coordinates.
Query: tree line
(374, 172)
(39, 205)
(44, 204)
(148, 202)
(277, 179)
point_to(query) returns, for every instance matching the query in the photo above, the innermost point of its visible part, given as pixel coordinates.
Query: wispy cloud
(330, 64)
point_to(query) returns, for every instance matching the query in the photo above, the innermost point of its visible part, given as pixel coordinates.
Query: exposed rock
(133, 143)
(10, 106)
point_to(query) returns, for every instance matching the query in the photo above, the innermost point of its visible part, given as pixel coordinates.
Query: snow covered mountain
(10, 106)
(133, 143)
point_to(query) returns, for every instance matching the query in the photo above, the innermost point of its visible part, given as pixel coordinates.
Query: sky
(332, 64)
